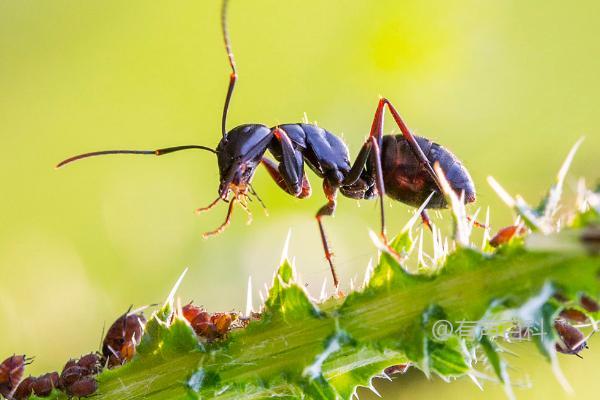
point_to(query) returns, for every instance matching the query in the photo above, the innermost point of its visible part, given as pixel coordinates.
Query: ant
(397, 165)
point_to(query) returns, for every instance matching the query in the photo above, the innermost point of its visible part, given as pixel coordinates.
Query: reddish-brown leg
(222, 227)
(328, 210)
(273, 171)
(426, 220)
(411, 140)
(210, 206)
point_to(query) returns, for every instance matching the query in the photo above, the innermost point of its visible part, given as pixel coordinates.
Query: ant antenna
(158, 152)
(233, 75)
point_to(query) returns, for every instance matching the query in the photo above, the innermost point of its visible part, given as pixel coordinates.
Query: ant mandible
(397, 165)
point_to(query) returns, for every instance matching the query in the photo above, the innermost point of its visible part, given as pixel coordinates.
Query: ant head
(239, 153)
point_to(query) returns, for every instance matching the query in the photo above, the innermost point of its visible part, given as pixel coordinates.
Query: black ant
(398, 164)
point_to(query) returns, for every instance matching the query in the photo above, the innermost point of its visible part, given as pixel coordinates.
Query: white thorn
(562, 173)
(486, 230)
(351, 285)
(556, 190)
(560, 377)
(421, 261)
(581, 201)
(171, 296)
(323, 295)
(417, 214)
(249, 306)
(286, 246)
(386, 376)
(377, 241)
(476, 381)
(518, 220)
(372, 389)
(506, 198)
(471, 224)
(458, 208)
(305, 118)
(178, 309)
(262, 298)
(368, 273)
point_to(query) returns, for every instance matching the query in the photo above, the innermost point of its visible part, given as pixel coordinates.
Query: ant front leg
(328, 210)
(280, 180)
(289, 174)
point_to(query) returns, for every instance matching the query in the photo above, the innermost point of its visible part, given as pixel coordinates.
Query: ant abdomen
(406, 179)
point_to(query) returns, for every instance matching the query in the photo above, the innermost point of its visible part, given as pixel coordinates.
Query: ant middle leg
(371, 152)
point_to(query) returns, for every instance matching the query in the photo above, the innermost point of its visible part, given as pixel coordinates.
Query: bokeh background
(508, 86)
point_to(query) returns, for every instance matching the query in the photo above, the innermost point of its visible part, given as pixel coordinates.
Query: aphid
(190, 312)
(43, 385)
(91, 362)
(76, 377)
(222, 322)
(572, 340)
(122, 338)
(72, 374)
(12, 369)
(397, 165)
(24, 390)
(504, 235)
(83, 387)
(574, 315)
(207, 326)
(589, 304)
(397, 369)
(11, 373)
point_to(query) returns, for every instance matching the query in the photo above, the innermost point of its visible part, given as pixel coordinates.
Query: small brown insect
(560, 297)
(122, 338)
(504, 235)
(397, 369)
(83, 387)
(76, 378)
(42, 386)
(573, 315)
(11, 373)
(24, 390)
(572, 340)
(190, 312)
(589, 304)
(11, 369)
(91, 362)
(209, 327)
(72, 374)
(222, 322)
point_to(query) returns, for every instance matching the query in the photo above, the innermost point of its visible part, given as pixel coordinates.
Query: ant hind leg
(328, 210)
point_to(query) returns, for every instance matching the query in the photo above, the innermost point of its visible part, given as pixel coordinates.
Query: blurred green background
(508, 86)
